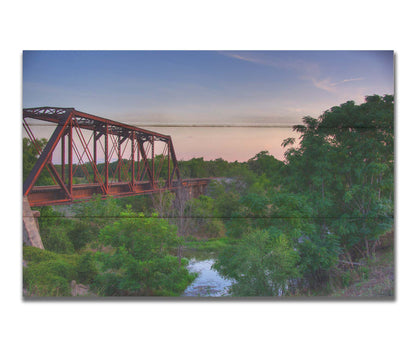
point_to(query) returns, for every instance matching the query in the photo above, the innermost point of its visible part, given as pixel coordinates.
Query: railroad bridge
(88, 155)
(133, 161)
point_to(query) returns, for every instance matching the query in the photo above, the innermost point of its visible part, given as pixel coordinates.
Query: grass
(204, 248)
(209, 245)
(50, 274)
(375, 279)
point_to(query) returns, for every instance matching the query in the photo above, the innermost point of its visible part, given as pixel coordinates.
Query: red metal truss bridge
(99, 156)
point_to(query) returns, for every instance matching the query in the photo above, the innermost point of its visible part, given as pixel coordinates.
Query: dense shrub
(50, 274)
(36, 255)
(49, 278)
(80, 234)
(137, 259)
(56, 239)
(86, 268)
(261, 265)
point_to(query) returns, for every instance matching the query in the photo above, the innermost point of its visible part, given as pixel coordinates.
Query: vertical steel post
(63, 158)
(153, 161)
(70, 158)
(106, 158)
(119, 158)
(138, 159)
(132, 160)
(95, 156)
(169, 165)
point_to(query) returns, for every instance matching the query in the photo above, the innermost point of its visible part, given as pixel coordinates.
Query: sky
(257, 95)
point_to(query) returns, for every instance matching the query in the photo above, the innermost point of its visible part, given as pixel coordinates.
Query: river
(209, 282)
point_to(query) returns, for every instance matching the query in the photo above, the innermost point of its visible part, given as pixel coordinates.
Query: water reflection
(209, 282)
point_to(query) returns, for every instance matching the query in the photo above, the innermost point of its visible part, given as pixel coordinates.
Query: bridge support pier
(31, 236)
(195, 191)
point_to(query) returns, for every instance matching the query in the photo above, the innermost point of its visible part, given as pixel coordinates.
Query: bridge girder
(141, 172)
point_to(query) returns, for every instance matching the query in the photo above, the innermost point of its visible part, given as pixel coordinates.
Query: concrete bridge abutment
(31, 235)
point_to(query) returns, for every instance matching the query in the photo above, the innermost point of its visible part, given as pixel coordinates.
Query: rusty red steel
(135, 175)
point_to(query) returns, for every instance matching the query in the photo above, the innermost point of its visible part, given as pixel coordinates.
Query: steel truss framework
(82, 138)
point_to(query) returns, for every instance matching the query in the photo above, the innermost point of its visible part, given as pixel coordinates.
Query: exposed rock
(79, 289)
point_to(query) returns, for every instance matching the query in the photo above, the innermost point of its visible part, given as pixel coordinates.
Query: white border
(205, 25)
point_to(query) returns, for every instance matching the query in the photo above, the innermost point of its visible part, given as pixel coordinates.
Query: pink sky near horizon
(229, 143)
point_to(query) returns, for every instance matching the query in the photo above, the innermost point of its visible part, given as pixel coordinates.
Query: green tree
(204, 217)
(98, 212)
(226, 197)
(162, 202)
(138, 261)
(261, 265)
(344, 165)
(264, 163)
(334, 199)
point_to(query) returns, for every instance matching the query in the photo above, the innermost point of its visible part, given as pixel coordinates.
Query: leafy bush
(138, 260)
(97, 213)
(56, 239)
(107, 284)
(80, 234)
(262, 265)
(86, 268)
(346, 278)
(49, 278)
(50, 274)
(54, 230)
(138, 203)
(36, 255)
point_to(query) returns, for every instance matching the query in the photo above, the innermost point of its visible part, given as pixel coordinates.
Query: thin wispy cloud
(298, 65)
(322, 84)
(243, 57)
(348, 80)
(308, 71)
(329, 86)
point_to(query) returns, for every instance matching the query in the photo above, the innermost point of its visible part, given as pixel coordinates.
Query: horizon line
(187, 125)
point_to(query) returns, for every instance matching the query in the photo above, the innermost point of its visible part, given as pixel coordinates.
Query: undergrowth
(50, 274)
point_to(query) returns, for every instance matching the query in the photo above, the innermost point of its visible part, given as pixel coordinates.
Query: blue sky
(206, 87)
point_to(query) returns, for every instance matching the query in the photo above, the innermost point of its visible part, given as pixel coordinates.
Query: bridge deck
(53, 195)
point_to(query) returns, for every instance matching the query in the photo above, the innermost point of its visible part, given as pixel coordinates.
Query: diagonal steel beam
(175, 162)
(146, 163)
(46, 154)
(59, 179)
